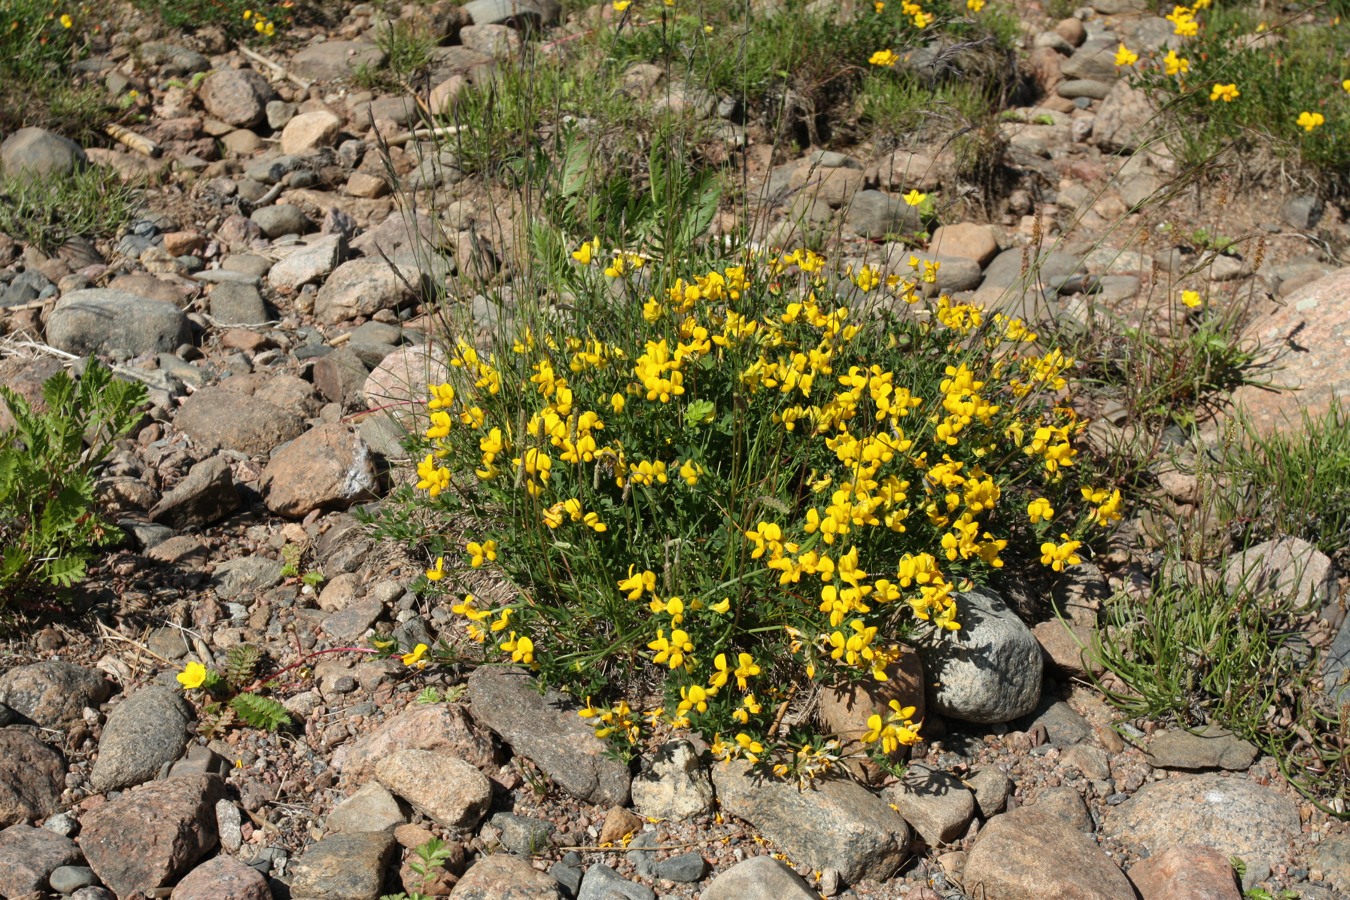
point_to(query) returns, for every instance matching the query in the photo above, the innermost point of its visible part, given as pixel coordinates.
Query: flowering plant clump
(731, 483)
(1230, 80)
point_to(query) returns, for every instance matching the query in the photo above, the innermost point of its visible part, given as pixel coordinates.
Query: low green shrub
(710, 489)
(49, 528)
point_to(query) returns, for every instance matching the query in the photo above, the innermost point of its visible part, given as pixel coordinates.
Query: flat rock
(1235, 816)
(440, 727)
(990, 670)
(339, 377)
(674, 784)
(505, 877)
(102, 320)
(444, 788)
(343, 867)
(844, 710)
(1284, 569)
(603, 883)
(873, 214)
(1023, 855)
(965, 240)
(310, 131)
(237, 304)
(497, 12)
(1124, 119)
(1185, 873)
(29, 855)
(216, 417)
(398, 385)
(281, 219)
(1210, 747)
(1332, 856)
(32, 776)
(372, 808)
(326, 468)
(223, 878)
(833, 825)
(151, 835)
(759, 878)
(308, 264)
(934, 803)
(336, 60)
(205, 496)
(547, 731)
(53, 694)
(143, 732)
(363, 287)
(245, 575)
(236, 96)
(40, 154)
(523, 835)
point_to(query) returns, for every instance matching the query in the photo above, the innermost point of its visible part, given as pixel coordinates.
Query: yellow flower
(1059, 556)
(1225, 92)
(480, 553)
(248, 14)
(880, 7)
(1346, 85)
(66, 21)
(437, 572)
(914, 197)
(619, 6)
(586, 252)
(690, 472)
(1190, 299)
(616, 402)
(414, 659)
(721, 607)
(975, 5)
(1175, 65)
(1040, 509)
(884, 58)
(1310, 120)
(270, 29)
(521, 649)
(193, 675)
(1124, 56)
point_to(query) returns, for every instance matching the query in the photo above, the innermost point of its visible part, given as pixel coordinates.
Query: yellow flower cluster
(879, 492)
(261, 24)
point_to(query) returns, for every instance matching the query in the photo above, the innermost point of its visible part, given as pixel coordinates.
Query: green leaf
(260, 712)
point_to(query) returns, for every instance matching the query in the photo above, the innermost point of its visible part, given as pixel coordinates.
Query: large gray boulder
(103, 320)
(40, 154)
(990, 670)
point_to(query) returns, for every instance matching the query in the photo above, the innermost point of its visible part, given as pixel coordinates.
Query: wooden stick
(141, 144)
(276, 67)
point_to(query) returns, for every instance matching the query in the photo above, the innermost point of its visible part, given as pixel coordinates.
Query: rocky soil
(269, 301)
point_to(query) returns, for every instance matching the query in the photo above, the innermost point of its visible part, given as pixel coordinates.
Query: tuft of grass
(1295, 483)
(407, 47)
(93, 203)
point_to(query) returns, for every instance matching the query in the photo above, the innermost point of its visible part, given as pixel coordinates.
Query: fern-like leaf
(241, 665)
(260, 712)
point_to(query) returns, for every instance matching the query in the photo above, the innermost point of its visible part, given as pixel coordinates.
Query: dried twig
(140, 143)
(421, 134)
(276, 67)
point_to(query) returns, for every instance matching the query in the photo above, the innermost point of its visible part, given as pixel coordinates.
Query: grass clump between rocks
(714, 488)
(92, 202)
